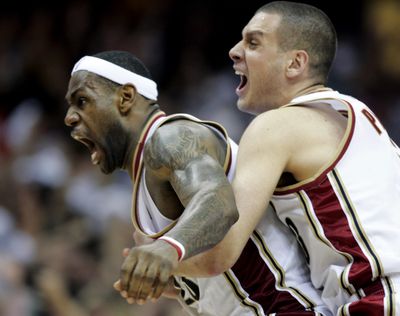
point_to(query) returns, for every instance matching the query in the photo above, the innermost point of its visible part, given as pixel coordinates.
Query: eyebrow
(253, 33)
(70, 96)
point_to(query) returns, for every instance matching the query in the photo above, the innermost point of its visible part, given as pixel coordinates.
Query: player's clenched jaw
(95, 122)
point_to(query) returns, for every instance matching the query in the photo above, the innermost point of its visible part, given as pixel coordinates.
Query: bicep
(185, 156)
(201, 174)
(262, 158)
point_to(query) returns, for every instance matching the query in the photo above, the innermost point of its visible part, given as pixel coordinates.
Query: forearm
(202, 265)
(225, 254)
(217, 259)
(206, 220)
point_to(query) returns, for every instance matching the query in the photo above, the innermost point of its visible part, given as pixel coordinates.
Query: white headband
(113, 72)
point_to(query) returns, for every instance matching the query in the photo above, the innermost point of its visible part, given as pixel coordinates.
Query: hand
(141, 239)
(146, 271)
(170, 291)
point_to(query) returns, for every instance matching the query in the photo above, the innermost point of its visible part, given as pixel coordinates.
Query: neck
(136, 134)
(292, 93)
(310, 89)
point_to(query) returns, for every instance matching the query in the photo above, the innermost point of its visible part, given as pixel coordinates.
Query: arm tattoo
(174, 152)
(207, 223)
(201, 185)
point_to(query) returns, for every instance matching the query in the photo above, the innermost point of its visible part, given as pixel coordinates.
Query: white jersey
(268, 277)
(347, 217)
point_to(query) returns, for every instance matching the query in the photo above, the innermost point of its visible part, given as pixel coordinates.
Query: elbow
(216, 267)
(231, 216)
(225, 202)
(220, 258)
(231, 210)
(215, 261)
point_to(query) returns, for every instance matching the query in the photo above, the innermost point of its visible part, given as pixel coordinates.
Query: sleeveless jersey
(267, 278)
(347, 217)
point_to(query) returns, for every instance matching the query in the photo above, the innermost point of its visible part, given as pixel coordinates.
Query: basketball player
(180, 168)
(321, 158)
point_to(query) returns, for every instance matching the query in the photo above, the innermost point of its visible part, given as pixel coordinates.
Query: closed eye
(253, 43)
(253, 38)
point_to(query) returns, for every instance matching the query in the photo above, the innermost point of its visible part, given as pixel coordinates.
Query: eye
(81, 102)
(253, 43)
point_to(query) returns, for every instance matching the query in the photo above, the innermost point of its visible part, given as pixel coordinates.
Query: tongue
(95, 157)
(243, 81)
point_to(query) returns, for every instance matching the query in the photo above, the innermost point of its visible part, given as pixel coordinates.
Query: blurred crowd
(63, 224)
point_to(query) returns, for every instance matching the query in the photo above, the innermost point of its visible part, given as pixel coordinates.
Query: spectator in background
(32, 72)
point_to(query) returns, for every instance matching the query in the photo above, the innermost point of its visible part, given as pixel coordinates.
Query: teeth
(95, 158)
(239, 73)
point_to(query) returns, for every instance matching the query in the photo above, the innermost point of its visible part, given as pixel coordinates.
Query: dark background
(62, 223)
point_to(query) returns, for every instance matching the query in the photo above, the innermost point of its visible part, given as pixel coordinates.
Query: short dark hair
(125, 60)
(306, 27)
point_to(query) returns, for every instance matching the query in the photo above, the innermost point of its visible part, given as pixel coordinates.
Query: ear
(297, 63)
(127, 97)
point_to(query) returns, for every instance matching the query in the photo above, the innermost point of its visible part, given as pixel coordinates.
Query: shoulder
(175, 144)
(288, 124)
(274, 126)
(181, 135)
(176, 129)
(287, 133)
(304, 137)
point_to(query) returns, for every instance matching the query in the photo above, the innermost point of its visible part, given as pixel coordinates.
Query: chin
(241, 105)
(244, 107)
(105, 171)
(106, 167)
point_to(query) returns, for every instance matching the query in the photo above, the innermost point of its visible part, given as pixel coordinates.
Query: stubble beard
(114, 147)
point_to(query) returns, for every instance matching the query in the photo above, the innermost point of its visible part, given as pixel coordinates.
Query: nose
(235, 52)
(71, 118)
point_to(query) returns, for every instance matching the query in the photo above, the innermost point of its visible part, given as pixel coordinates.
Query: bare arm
(188, 156)
(187, 159)
(297, 140)
(262, 158)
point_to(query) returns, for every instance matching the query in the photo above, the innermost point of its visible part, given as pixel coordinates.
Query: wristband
(177, 245)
